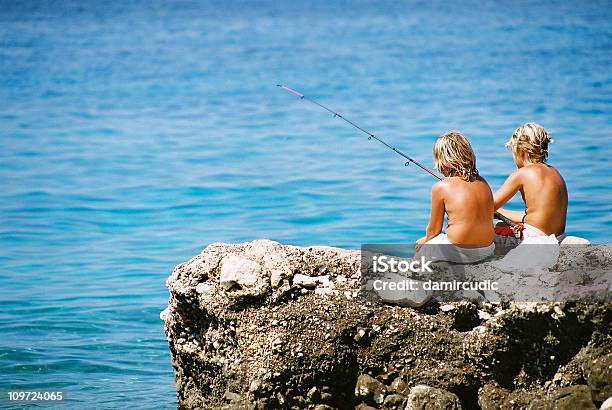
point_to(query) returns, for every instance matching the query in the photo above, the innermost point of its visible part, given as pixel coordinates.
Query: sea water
(133, 134)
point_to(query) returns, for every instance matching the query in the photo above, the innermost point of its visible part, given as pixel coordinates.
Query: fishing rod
(372, 136)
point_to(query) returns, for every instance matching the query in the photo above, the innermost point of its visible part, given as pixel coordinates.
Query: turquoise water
(133, 134)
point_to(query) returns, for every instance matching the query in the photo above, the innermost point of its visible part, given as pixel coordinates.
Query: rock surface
(262, 325)
(430, 398)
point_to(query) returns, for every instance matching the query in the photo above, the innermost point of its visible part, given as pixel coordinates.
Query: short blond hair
(454, 152)
(533, 140)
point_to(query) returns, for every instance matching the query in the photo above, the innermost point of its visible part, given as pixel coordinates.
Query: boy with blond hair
(467, 200)
(541, 186)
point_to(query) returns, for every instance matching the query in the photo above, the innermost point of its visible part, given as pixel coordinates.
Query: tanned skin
(544, 193)
(469, 209)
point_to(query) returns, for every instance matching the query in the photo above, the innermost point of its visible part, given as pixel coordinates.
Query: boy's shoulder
(536, 173)
(525, 171)
(446, 184)
(536, 170)
(456, 181)
(440, 187)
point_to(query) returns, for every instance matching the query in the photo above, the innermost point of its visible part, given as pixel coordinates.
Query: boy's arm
(510, 187)
(436, 216)
(514, 216)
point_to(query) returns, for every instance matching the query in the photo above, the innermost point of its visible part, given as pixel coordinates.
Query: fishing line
(372, 136)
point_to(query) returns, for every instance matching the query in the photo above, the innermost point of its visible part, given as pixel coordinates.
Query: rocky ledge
(262, 325)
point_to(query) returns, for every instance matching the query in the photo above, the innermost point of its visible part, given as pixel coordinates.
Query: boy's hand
(420, 242)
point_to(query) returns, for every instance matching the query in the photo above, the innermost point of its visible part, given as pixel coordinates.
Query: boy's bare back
(469, 208)
(545, 195)
(541, 185)
(463, 196)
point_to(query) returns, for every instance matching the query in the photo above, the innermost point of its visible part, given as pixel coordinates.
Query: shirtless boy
(541, 186)
(467, 200)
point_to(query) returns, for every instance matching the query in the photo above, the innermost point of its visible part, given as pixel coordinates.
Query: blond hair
(453, 152)
(533, 140)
